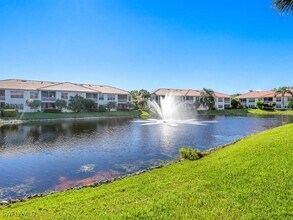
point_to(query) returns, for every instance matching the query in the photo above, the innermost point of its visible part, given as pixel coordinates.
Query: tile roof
(58, 86)
(222, 95)
(254, 94)
(192, 92)
(24, 84)
(261, 94)
(106, 89)
(184, 92)
(175, 92)
(67, 86)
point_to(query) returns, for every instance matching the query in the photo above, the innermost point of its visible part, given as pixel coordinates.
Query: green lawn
(251, 179)
(245, 111)
(41, 115)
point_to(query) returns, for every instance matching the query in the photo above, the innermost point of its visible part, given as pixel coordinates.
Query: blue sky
(229, 46)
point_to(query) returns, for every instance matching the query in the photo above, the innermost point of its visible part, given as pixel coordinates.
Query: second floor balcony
(2, 98)
(122, 100)
(48, 99)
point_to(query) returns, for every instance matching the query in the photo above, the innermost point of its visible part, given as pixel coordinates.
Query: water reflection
(40, 157)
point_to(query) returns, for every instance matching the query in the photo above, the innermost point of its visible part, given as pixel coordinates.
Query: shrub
(90, 105)
(8, 112)
(260, 104)
(102, 108)
(290, 104)
(61, 104)
(269, 106)
(52, 110)
(112, 105)
(190, 153)
(235, 103)
(33, 104)
(76, 103)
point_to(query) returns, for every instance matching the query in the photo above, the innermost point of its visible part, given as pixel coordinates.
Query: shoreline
(19, 121)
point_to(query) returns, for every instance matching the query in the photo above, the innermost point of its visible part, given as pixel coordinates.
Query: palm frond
(284, 6)
(290, 92)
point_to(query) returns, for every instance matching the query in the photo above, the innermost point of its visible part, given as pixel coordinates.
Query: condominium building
(192, 96)
(250, 99)
(15, 93)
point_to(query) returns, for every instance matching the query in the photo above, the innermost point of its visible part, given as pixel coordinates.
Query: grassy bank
(245, 111)
(251, 179)
(41, 115)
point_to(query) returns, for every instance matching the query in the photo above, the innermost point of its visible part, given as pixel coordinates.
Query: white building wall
(26, 94)
(19, 101)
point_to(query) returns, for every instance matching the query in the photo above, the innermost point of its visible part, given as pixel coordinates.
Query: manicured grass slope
(251, 179)
(245, 111)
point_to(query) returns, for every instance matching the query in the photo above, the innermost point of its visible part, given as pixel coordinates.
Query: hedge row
(8, 112)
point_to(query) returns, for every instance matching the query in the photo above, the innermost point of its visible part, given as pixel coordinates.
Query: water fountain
(172, 111)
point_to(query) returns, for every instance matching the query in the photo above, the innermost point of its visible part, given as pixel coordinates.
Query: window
(251, 100)
(267, 99)
(111, 97)
(101, 96)
(64, 95)
(242, 100)
(220, 99)
(16, 106)
(278, 99)
(34, 95)
(220, 106)
(16, 94)
(92, 96)
(189, 98)
(122, 98)
(227, 100)
(2, 94)
(48, 96)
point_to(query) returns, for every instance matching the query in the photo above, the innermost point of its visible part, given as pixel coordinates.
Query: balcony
(2, 98)
(122, 100)
(48, 99)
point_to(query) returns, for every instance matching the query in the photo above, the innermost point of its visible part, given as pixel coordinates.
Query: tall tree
(207, 98)
(140, 98)
(76, 103)
(61, 104)
(33, 104)
(283, 90)
(284, 6)
(144, 94)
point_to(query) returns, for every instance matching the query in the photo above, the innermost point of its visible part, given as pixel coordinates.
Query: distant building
(191, 96)
(15, 93)
(250, 99)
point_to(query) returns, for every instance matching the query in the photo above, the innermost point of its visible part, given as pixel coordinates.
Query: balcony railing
(2, 97)
(122, 100)
(49, 99)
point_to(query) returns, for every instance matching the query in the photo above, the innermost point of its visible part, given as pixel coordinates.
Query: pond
(49, 156)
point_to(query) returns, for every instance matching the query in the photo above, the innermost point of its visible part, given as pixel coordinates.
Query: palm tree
(284, 6)
(283, 90)
(207, 98)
